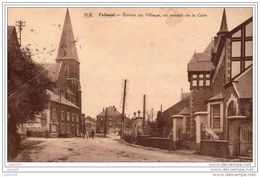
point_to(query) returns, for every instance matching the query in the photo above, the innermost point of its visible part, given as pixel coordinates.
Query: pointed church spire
(223, 27)
(67, 47)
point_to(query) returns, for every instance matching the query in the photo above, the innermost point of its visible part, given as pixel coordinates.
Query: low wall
(128, 138)
(143, 140)
(36, 134)
(217, 148)
(161, 143)
(156, 142)
(148, 141)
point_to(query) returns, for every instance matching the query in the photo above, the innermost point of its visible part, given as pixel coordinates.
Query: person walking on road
(83, 134)
(92, 134)
(87, 134)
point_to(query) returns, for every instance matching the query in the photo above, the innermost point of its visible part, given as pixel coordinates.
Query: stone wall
(217, 148)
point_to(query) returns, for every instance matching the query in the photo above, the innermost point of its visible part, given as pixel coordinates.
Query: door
(245, 138)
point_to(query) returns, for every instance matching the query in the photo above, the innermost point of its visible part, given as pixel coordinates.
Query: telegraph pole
(123, 109)
(144, 106)
(105, 124)
(20, 24)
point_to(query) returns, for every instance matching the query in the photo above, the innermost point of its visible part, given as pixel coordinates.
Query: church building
(62, 117)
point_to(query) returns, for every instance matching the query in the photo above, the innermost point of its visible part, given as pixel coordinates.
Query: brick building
(112, 123)
(221, 92)
(220, 101)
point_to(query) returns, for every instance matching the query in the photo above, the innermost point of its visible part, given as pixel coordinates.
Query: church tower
(67, 57)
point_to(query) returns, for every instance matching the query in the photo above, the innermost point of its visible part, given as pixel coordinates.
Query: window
(231, 109)
(62, 128)
(68, 116)
(237, 34)
(241, 49)
(201, 83)
(53, 128)
(207, 83)
(200, 80)
(62, 115)
(248, 48)
(194, 83)
(236, 65)
(73, 117)
(215, 116)
(67, 71)
(68, 128)
(236, 49)
(78, 131)
(77, 117)
(54, 115)
(249, 30)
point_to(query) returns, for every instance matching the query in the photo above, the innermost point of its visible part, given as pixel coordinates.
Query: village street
(100, 149)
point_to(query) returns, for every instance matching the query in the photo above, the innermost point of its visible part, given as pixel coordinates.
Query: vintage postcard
(106, 84)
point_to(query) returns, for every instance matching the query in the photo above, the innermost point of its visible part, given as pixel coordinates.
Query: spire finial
(223, 26)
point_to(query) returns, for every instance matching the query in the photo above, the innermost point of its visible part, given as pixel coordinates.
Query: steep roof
(10, 30)
(185, 111)
(178, 107)
(202, 61)
(218, 96)
(90, 119)
(53, 70)
(111, 111)
(58, 99)
(244, 84)
(67, 47)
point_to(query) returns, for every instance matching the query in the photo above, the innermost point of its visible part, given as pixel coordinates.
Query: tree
(27, 97)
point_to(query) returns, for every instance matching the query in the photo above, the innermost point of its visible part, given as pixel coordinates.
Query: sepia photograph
(119, 84)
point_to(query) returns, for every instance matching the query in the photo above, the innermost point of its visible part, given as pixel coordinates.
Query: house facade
(111, 122)
(221, 91)
(218, 118)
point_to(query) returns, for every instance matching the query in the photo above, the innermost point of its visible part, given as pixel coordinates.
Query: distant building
(113, 122)
(177, 119)
(62, 117)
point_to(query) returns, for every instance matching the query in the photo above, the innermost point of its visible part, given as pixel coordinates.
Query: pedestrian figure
(83, 135)
(92, 134)
(86, 134)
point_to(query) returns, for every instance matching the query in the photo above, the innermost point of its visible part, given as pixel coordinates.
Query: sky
(151, 52)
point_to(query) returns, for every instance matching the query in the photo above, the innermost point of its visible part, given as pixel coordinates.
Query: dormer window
(200, 80)
(67, 71)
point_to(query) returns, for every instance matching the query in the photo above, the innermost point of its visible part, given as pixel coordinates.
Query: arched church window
(67, 71)
(231, 109)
